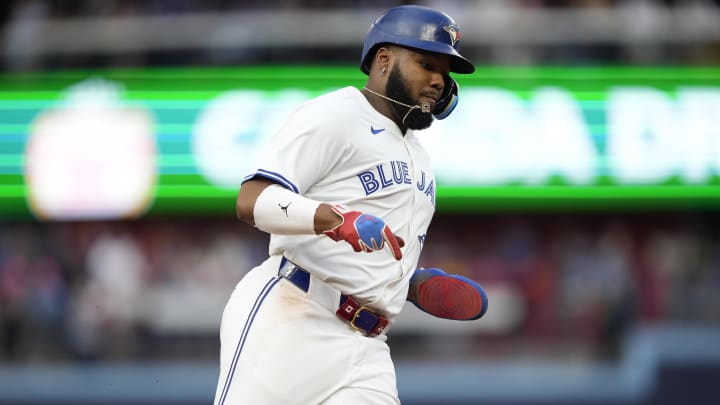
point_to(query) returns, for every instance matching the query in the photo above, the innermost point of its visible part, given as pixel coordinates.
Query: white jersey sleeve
(304, 150)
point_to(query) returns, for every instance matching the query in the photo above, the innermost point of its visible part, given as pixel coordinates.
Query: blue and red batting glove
(365, 233)
(448, 296)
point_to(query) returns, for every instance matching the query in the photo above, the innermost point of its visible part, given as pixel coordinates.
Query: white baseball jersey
(283, 345)
(338, 149)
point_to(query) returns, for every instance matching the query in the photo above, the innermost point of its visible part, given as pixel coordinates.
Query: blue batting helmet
(416, 27)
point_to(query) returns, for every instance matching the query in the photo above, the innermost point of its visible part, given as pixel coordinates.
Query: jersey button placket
(412, 196)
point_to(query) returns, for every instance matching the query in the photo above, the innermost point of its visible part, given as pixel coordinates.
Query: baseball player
(347, 193)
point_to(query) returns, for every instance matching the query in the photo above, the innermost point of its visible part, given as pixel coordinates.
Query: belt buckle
(355, 317)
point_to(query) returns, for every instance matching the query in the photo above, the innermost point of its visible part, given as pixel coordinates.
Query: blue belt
(295, 274)
(360, 317)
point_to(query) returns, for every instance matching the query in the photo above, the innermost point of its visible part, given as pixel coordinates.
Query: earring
(384, 69)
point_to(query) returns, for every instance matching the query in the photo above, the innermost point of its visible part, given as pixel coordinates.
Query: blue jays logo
(454, 32)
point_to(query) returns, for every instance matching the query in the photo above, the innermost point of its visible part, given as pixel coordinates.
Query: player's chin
(419, 121)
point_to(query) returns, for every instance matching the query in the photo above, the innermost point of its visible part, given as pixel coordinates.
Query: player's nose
(437, 82)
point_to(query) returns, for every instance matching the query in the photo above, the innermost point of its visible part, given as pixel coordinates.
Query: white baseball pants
(281, 345)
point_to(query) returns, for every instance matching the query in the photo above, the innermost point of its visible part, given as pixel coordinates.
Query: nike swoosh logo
(376, 131)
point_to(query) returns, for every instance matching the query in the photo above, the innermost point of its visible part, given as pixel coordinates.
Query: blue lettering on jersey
(406, 173)
(421, 183)
(427, 189)
(397, 171)
(383, 179)
(430, 191)
(369, 183)
(374, 180)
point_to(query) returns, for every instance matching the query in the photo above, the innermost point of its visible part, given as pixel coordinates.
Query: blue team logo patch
(454, 32)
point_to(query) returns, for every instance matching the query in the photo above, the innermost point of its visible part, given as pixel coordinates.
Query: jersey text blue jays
(395, 172)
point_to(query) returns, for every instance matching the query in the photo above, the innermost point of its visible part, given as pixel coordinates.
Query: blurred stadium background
(579, 181)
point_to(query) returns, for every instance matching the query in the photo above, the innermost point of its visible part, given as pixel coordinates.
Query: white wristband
(280, 211)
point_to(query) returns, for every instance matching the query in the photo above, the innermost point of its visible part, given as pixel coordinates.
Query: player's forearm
(280, 211)
(245, 203)
(326, 218)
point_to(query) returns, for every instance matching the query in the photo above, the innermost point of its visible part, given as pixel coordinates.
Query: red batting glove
(364, 232)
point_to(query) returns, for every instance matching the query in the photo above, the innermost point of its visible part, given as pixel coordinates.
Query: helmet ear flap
(448, 101)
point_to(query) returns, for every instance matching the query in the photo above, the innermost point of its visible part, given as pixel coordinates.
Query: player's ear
(383, 57)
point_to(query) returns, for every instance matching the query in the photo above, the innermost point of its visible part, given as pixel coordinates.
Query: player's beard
(397, 89)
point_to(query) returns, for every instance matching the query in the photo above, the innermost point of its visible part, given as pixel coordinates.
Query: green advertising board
(146, 142)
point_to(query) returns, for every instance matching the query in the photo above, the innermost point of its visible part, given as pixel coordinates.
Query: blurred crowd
(49, 34)
(156, 288)
(84, 8)
(84, 289)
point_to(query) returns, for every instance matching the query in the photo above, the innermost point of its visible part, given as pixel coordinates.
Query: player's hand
(448, 296)
(365, 233)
